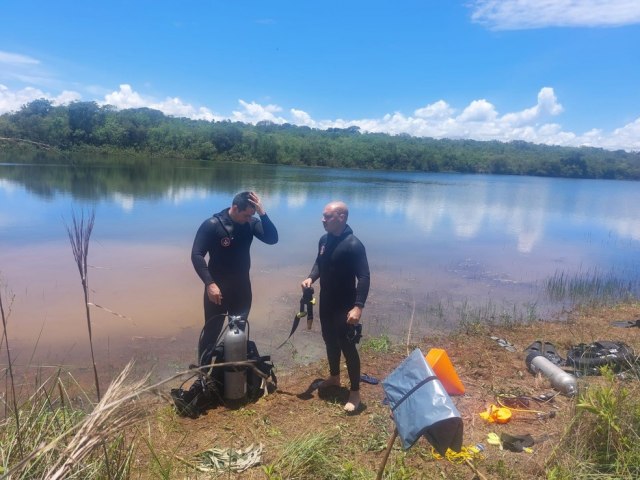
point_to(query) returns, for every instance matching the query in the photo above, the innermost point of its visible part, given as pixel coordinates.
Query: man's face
(332, 221)
(241, 216)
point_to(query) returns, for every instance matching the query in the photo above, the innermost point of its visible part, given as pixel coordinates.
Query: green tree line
(89, 127)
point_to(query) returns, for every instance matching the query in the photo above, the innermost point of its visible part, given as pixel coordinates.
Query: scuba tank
(235, 350)
(560, 380)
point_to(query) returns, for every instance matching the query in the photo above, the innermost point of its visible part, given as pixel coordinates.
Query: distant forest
(89, 128)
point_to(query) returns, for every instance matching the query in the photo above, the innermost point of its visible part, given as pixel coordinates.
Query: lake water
(439, 245)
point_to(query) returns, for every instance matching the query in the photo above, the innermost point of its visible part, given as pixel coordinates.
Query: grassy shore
(133, 432)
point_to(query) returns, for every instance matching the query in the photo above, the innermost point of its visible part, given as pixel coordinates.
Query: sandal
(534, 347)
(369, 379)
(549, 351)
(504, 344)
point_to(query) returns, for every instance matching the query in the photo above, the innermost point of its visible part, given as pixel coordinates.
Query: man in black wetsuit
(343, 270)
(226, 237)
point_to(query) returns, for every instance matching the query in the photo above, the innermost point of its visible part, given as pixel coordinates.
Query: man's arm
(315, 270)
(265, 230)
(313, 276)
(205, 237)
(363, 277)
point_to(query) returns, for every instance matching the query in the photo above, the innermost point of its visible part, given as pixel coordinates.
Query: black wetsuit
(341, 261)
(227, 243)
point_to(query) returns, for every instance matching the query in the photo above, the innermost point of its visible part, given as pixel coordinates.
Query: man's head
(334, 217)
(242, 209)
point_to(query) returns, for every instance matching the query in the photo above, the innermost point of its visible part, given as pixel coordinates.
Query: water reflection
(432, 239)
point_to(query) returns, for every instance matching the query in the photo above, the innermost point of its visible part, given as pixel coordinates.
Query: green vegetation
(58, 438)
(474, 319)
(602, 441)
(89, 128)
(380, 344)
(305, 457)
(592, 287)
(66, 435)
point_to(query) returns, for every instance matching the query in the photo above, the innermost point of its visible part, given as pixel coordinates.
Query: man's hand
(306, 283)
(256, 202)
(214, 293)
(354, 315)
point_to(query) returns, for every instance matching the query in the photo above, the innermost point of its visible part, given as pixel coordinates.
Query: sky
(558, 72)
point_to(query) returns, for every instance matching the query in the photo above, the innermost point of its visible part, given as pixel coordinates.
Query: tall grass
(79, 236)
(591, 287)
(5, 337)
(61, 440)
(475, 319)
(305, 457)
(603, 439)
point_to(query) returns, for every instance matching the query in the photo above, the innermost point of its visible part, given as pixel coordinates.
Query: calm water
(437, 244)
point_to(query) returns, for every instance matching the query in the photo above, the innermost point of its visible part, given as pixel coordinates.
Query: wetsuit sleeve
(315, 270)
(362, 274)
(205, 237)
(265, 230)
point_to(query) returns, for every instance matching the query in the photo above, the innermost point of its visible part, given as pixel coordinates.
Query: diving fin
(294, 327)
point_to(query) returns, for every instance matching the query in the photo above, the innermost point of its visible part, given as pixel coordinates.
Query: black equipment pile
(208, 389)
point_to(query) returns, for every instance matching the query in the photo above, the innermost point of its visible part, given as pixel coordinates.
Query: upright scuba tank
(235, 350)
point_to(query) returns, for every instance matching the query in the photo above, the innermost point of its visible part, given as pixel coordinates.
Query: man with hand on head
(226, 238)
(343, 270)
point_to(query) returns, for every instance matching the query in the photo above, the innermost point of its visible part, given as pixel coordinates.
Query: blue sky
(562, 72)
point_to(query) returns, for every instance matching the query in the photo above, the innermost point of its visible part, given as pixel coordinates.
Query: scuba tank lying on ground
(229, 385)
(560, 380)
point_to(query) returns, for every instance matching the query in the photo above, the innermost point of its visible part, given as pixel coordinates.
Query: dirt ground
(485, 368)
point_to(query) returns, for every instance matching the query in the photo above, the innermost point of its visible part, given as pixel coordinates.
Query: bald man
(343, 270)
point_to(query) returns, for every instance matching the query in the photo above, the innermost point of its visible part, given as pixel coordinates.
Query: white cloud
(11, 101)
(126, 97)
(254, 113)
(66, 97)
(301, 118)
(23, 69)
(527, 14)
(547, 104)
(479, 120)
(437, 110)
(17, 59)
(626, 137)
(478, 111)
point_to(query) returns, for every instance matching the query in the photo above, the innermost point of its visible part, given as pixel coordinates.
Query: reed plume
(79, 235)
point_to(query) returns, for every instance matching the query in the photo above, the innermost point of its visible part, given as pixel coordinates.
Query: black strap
(416, 387)
(218, 217)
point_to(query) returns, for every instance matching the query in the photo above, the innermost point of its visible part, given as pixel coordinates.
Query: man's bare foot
(353, 403)
(332, 381)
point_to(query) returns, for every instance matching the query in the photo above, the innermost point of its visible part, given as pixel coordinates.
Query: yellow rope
(524, 410)
(466, 453)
